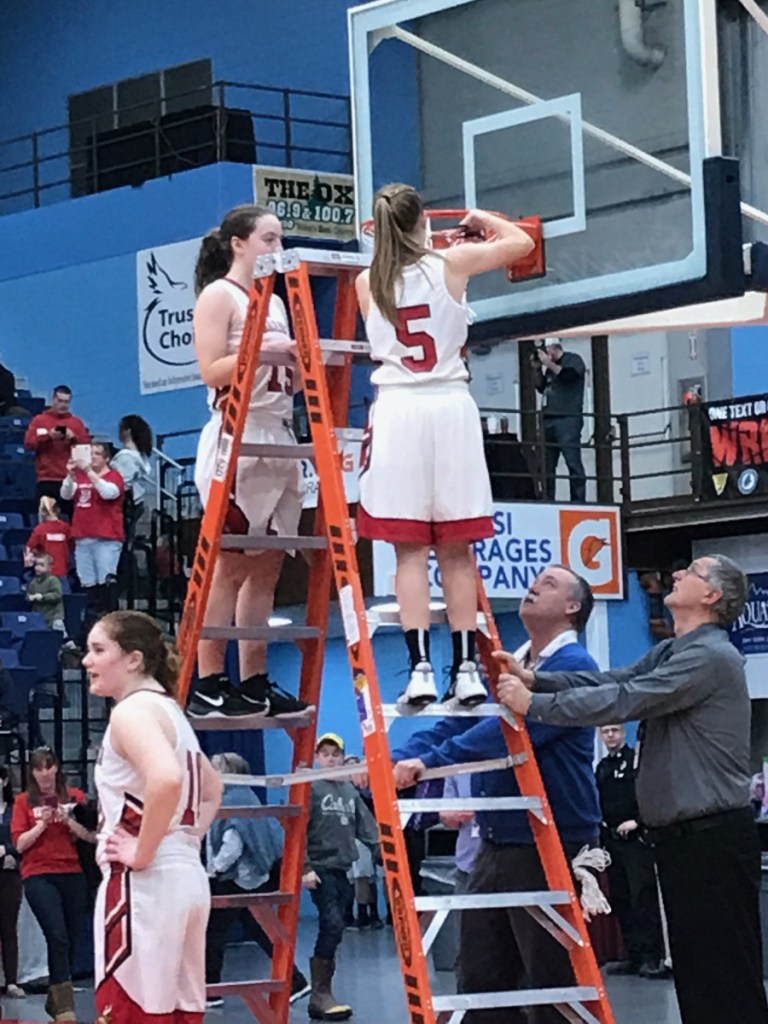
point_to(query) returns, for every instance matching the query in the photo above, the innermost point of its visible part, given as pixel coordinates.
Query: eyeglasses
(690, 571)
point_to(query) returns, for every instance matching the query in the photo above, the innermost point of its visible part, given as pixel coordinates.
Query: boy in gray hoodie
(338, 816)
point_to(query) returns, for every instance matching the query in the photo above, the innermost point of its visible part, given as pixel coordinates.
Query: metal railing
(649, 457)
(226, 121)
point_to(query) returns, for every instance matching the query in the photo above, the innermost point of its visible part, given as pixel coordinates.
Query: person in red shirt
(51, 435)
(44, 832)
(97, 524)
(52, 536)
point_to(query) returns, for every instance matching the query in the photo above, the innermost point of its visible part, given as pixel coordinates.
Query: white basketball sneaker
(421, 689)
(467, 689)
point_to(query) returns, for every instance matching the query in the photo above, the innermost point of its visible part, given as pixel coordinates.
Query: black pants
(331, 897)
(52, 489)
(635, 899)
(563, 437)
(10, 905)
(221, 921)
(59, 903)
(710, 881)
(505, 949)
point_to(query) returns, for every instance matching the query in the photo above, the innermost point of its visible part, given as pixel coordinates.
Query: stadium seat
(11, 521)
(11, 435)
(13, 603)
(40, 650)
(3, 552)
(9, 657)
(14, 422)
(14, 537)
(24, 680)
(11, 567)
(19, 478)
(6, 638)
(10, 585)
(75, 606)
(21, 622)
(16, 451)
(24, 506)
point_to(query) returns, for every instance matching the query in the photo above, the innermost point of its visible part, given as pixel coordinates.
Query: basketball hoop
(447, 237)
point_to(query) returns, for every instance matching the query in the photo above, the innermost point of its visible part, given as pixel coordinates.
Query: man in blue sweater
(506, 949)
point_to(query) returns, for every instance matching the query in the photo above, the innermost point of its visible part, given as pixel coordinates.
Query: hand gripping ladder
(326, 372)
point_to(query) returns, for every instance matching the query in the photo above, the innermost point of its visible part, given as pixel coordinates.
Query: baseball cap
(330, 737)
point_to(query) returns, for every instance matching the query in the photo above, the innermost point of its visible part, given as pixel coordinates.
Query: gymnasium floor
(370, 980)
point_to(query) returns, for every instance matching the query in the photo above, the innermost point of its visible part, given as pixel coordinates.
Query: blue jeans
(59, 903)
(331, 898)
(95, 559)
(562, 435)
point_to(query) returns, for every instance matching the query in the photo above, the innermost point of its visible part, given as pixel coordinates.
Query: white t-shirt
(426, 345)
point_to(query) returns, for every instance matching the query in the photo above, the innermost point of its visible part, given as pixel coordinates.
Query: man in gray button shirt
(692, 783)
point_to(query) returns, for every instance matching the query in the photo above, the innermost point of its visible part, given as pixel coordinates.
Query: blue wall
(749, 348)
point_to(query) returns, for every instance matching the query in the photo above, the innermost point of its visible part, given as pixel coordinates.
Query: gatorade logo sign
(590, 545)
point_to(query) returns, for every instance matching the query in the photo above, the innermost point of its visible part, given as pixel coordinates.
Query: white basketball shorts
(268, 494)
(423, 477)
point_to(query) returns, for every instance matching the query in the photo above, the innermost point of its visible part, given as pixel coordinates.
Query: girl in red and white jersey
(158, 795)
(267, 496)
(424, 482)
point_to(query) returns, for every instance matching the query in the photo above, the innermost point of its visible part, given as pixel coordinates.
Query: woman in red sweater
(97, 524)
(44, 833)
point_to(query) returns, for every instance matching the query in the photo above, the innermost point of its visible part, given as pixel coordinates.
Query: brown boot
(322, 1003)
(60, 1001)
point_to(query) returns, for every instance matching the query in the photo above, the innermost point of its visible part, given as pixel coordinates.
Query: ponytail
(397, 210)
(169, 667)
(215, 256)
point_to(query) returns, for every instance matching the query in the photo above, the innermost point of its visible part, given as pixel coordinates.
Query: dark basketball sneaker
(215, 697)
(260, 688)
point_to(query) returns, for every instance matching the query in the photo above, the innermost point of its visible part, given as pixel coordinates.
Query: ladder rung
(259, 811)
(240, 988)
(470, 803)
(219, 723)
(526, 997)
(438, 710)
(243, 542)
(493, 900)
(277, 451)
(253, 899)
(319, 261)
(269, 633)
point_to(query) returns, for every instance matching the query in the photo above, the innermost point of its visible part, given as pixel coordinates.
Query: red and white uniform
(53, 537)
(149, 926)
(268, 493)
(423, 478)
(94, 516)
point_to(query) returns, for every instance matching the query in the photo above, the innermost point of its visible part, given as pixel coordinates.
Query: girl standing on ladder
(424, 483)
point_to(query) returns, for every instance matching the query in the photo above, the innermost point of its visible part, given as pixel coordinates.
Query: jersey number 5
(416, 339)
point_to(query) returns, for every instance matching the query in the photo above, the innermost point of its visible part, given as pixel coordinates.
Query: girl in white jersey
(158, 795)
(424, 482)
(267, 496)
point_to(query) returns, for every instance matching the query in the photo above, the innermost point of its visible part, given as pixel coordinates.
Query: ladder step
(494, 900)
(470, 803)
(241, 542)
(277, 451)
(253, 899)
(233, 723)
(526, 997)
(270, 633)
(319, 261)
(438, 710)
(239, 988)
(259, 811)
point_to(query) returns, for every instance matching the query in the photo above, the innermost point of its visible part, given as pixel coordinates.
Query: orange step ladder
(326, 366)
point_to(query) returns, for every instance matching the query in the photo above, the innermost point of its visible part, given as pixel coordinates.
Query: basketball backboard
(603, 118)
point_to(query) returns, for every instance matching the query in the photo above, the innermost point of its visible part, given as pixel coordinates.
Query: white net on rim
(367, 235)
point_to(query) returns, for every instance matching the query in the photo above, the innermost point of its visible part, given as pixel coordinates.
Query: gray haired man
(692, 783)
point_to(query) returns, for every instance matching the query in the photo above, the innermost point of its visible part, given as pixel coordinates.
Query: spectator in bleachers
(51, 435)
(10, 890)
(45, 832)
(132, 462)
(52, 535)
(9, 404)
(46, 594)
(97, 525)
